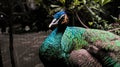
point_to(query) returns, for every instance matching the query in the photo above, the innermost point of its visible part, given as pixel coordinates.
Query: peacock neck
(62, 28)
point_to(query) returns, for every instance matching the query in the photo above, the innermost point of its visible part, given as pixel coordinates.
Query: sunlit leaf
(71, 7)
(76, 2)
(80, 7)
(106, 1)
(54, 6)
(90, 23)
(62, 1)
(103, 2)
(84, 1)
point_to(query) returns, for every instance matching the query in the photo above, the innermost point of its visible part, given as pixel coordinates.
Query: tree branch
(114, 29)
(81, 21)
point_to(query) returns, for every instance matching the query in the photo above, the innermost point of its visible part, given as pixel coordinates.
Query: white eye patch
(55, 21)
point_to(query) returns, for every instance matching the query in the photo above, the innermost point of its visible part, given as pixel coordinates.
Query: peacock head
(59, 18)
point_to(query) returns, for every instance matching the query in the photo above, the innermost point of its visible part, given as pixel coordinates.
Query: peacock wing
(73, 39)
(108, 45)
(103, 39)
(82, 58)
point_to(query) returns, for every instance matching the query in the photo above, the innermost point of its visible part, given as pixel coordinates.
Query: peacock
(71, 46)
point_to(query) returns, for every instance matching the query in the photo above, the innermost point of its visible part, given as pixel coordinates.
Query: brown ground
(25, 49)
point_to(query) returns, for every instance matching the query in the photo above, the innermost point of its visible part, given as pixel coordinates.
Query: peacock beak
(54, 22)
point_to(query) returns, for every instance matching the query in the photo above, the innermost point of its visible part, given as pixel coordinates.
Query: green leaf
(76, 2)
(62, 1)
(90, 23)
(54, 5)
(84, 1)
(106, 1)
(96, 0)
(103, 2)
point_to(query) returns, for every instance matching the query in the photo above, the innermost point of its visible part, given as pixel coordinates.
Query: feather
(79, 47)
(58, 47)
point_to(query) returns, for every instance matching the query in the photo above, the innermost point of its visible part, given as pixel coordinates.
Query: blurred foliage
(24, 15)
(100, 14)
(93, 13)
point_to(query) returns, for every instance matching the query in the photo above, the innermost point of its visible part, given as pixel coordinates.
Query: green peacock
(70, 46)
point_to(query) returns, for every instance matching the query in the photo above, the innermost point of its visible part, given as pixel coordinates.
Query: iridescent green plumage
(79, 47)
(58, 45)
